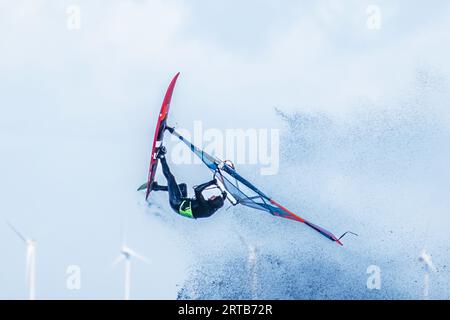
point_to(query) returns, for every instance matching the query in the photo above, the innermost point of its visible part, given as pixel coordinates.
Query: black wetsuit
(198, 206)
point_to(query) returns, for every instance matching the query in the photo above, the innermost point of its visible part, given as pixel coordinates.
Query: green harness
(185, 209)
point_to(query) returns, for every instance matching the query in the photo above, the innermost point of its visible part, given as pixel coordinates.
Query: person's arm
(224, 195)
(199, 189)
(205, 185)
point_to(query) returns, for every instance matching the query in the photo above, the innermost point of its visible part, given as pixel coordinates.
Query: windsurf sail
(246, 193)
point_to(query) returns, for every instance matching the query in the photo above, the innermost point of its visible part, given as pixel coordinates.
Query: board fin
(144, 186)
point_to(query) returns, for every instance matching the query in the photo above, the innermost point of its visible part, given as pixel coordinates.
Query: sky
(363, 142)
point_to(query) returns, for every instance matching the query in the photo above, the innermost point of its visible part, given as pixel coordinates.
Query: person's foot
(157, 187)
(161, 152)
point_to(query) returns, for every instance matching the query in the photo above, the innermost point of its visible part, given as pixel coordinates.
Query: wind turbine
(126, 253)
(30, 262)
(429, 267)
(252, 260)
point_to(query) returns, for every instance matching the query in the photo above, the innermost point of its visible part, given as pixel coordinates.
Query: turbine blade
(21, 236)
(139, 256)
(119, 259)
(241, 238)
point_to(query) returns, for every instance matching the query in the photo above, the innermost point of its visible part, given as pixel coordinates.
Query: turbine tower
(126, 253)
(30, 272)
(252, 260)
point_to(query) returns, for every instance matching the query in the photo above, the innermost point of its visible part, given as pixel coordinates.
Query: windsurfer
(197, 207)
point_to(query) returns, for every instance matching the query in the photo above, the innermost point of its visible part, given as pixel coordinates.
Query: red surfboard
(159, 135)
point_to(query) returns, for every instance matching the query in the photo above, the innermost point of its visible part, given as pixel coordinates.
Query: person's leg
(175, 195)
(157, 187)
(183, 189)
(182, 186)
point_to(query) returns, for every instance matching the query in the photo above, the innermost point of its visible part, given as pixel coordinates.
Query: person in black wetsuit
(197, 207)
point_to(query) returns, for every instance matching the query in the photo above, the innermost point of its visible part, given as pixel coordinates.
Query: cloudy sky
(78, 105)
